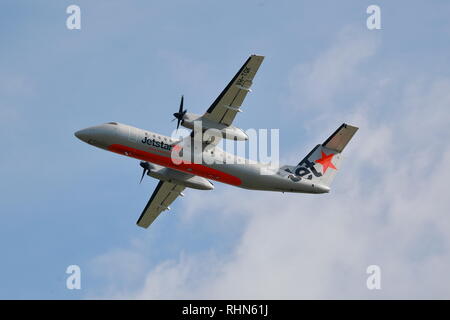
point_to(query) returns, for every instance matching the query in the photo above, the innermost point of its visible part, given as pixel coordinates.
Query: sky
(65, 203)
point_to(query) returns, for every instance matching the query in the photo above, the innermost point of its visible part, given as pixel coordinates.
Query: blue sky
(64, 202)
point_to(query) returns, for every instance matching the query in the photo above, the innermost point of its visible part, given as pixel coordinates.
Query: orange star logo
(325, 161)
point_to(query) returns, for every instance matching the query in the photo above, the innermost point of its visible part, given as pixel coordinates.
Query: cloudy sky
(64, 202)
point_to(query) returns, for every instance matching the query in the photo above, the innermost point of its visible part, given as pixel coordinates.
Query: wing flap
(164, 194)
(228, 103)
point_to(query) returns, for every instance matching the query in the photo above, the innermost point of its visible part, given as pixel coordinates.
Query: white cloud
(335, 71)
(123, 270)
(389, 205)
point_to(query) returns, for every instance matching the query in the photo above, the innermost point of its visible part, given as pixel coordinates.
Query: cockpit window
(113, 123)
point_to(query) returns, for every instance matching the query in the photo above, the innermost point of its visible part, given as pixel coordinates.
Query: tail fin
(322, 163)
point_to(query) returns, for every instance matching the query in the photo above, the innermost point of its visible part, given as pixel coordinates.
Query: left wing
(228, 103)
(164, 194)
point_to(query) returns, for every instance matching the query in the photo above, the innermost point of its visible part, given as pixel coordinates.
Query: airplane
(313, 174)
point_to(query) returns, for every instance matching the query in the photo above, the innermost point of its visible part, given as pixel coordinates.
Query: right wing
(228, 103)
(164, 194)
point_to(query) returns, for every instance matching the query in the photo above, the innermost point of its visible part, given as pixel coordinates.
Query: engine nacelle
(184, 179)
(228, 132)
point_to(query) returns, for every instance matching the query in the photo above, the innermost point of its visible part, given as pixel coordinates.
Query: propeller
(146, 166)
(180, 114)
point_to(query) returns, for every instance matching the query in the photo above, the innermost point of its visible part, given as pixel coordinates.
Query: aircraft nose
(83, 134)
(100, 136)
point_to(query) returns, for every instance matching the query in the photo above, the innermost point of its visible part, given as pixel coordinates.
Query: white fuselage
(157, 149)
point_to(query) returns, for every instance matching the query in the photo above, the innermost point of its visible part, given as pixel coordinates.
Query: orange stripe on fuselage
(192, 168)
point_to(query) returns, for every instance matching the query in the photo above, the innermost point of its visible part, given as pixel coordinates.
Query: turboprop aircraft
(313, 174)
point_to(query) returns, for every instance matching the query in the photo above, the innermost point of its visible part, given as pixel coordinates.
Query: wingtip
(346, 125)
